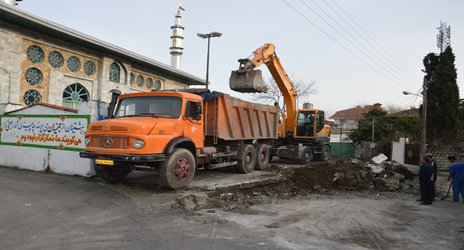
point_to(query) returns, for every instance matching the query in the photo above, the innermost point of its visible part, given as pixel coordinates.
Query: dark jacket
(425, 172)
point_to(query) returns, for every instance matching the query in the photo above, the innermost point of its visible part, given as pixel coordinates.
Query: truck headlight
(138, 144)
(87, 141)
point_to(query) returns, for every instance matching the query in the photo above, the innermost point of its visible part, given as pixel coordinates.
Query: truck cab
(143, 129)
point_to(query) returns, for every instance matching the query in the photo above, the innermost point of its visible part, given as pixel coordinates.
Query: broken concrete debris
(317, 178)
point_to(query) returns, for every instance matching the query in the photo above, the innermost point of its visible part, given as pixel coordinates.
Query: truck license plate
(104, 162)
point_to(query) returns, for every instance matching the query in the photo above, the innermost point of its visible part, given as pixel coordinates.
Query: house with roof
(347, 119)
(45, 62)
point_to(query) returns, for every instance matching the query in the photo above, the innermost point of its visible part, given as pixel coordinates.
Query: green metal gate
(342, 149)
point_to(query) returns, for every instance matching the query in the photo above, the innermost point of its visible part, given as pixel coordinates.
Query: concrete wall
(42, 159)
(45, 160)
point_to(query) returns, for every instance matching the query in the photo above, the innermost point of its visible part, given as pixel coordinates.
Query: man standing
(434, 175)
(456, 172)
(425, 181)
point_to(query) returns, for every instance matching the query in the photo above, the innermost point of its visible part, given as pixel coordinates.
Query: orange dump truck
(177, 132)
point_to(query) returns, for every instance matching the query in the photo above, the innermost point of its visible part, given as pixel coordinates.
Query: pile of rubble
(378, 174)
(318, 177)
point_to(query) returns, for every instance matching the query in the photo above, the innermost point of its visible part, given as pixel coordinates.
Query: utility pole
(423, 143)
(373, 141)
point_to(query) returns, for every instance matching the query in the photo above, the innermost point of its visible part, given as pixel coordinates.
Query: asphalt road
(48, 211)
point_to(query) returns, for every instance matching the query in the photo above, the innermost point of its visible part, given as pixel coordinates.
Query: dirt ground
(306, 207)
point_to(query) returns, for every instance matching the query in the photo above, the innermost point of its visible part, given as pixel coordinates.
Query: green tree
(443, 113)
(375, 118)
(386, 130)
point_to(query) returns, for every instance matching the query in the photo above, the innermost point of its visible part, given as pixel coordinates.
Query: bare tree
(393, 108)
(274, 95)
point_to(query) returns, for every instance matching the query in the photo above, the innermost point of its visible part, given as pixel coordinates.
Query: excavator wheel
(325, 154)
(306, 155)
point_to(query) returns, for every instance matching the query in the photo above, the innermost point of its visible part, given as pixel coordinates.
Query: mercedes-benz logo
(108, 142)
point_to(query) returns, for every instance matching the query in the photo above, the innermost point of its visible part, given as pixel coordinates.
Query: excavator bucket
(247, 81)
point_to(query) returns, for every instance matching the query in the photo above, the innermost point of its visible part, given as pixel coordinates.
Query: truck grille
(110, 142)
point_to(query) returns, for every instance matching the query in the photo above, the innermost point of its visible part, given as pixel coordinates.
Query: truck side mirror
(115, 93)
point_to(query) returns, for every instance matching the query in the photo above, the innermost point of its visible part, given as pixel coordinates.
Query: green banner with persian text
(63, 132)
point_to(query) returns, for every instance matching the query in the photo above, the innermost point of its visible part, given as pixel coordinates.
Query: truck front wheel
(114, 173)
(178, 169)
(247, 160)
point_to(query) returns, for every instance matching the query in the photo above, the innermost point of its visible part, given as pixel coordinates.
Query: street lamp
(423, 145)
(208, 36)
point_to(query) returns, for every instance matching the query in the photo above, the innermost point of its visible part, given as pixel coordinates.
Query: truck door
(194, 122)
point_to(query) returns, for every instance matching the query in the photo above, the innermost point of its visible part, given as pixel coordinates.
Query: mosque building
(45, 62)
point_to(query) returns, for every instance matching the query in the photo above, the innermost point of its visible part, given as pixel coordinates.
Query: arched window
(73, 94)
(114, 72)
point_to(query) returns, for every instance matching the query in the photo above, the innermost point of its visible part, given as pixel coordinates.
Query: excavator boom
(247, 79)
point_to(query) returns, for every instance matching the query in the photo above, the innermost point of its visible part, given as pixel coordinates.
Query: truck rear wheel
(178, 169)
(114, 173)
(247, 160)
(306, 155)
(262, 156)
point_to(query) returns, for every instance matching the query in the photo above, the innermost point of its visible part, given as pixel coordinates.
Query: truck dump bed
(230, 118)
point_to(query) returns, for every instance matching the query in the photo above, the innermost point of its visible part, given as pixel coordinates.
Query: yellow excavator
(303, 134)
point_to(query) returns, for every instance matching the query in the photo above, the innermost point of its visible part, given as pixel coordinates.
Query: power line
(394, 65)
(340, 44)
(383, 51)
(376, 61)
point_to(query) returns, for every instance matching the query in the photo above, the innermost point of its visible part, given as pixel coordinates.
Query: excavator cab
(247, 80)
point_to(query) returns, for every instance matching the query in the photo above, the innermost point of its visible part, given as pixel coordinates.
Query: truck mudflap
(124, 158)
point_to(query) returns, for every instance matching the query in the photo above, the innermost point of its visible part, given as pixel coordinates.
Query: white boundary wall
(398, 149)
(43, 159)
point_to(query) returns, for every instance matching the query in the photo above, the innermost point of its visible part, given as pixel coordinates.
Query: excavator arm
(247, 79)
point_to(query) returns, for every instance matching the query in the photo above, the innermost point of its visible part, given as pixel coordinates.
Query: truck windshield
(156, 106)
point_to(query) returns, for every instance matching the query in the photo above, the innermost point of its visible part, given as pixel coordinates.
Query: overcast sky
(375, 56)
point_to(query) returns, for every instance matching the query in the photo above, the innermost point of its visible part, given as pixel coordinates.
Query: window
(132, 78)
(305, 123)
(149, 83)
(55, 59)
(157, 85)
(193, 110)
(140, 81)
(151, 106)
(89, 68)
(32, 97)
(74, 64)
(114, 72)
(33, 76)
(35, 54)
(320, 121)
(73, 94)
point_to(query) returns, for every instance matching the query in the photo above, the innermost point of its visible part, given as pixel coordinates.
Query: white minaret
(10, 2)
(177, 38)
